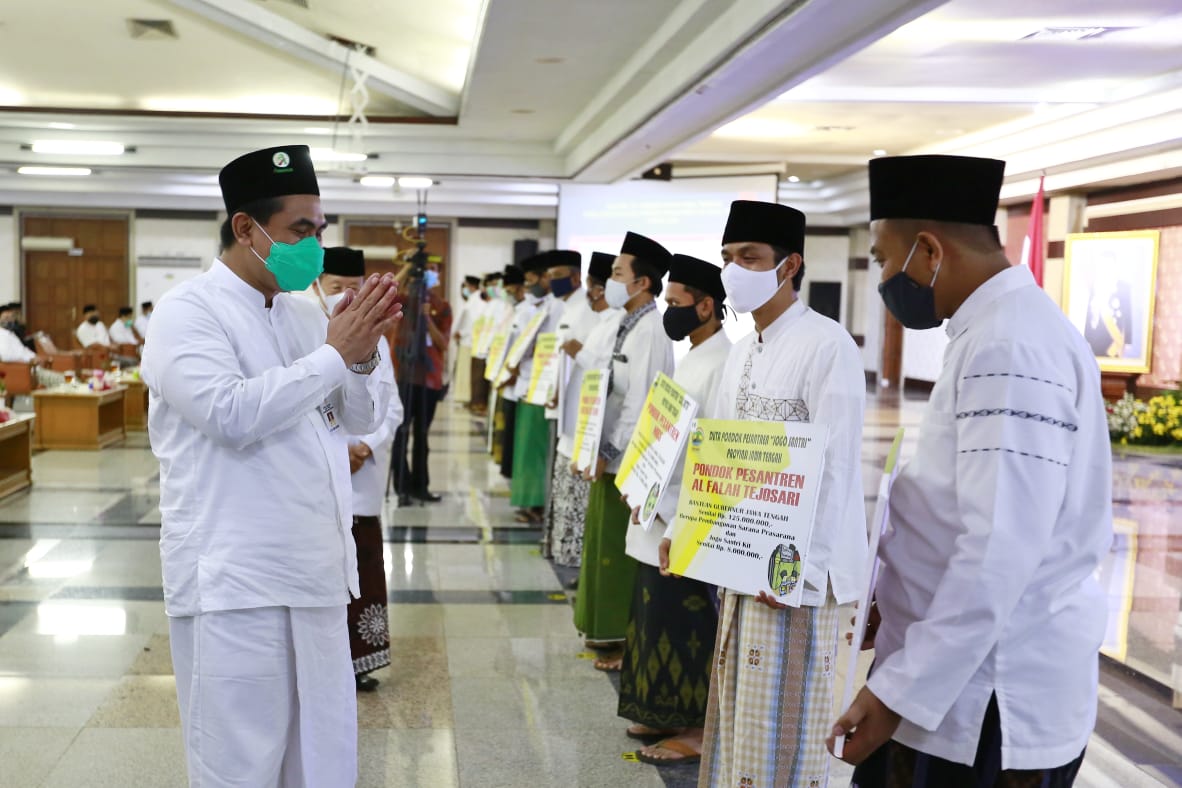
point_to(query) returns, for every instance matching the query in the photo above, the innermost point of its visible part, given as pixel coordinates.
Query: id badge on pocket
(329, 414)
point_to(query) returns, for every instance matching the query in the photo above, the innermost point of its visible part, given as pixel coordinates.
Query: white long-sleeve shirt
(523, 310)
(526, 368)
(596, 353)
(12, 350)
(699, 373)
(997, 527)
(122, 335)
(93, 334)
(575, 319)
(646, 350)
(466, 318)
(806, 367)
(250, 417)
(369, 483)
(141, 325)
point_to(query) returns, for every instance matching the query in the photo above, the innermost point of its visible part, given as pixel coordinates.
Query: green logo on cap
(280, 159)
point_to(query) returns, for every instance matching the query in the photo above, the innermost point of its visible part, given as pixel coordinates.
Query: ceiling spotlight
(817, 184)
(66, 171)
(793, 179)
(378, 181)
(78, 147)
(879, 152)
(415, 182)
(330, 155)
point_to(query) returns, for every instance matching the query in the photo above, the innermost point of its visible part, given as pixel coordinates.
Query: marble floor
(490, 684)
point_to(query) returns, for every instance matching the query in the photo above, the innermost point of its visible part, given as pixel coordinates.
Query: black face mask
(912, 304)
(93, 320)
(538, 291)
(681, 321)
(562, 287)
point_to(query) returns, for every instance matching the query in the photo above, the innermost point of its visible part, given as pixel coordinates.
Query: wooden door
(438, 247)
(58, 284)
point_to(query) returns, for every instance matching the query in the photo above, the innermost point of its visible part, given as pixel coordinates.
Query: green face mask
(295, 266)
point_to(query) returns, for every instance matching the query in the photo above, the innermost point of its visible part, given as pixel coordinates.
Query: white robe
(996, 529)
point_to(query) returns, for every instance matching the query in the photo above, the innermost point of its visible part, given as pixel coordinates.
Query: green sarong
(604, 599)
(531, 443)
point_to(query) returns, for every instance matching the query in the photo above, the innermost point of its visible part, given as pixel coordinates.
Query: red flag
(1033, 247)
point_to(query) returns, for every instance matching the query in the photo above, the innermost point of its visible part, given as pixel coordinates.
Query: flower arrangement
(1158, 422)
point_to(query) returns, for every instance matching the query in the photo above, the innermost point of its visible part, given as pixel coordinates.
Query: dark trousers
(896, 765)
(418, 405)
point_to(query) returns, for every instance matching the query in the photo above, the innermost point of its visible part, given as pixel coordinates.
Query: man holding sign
(641, 350)
(991, 617)
(772, 689)
(674, 618)
(531, 442)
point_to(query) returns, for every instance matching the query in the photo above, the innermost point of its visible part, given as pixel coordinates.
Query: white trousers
(267, 697)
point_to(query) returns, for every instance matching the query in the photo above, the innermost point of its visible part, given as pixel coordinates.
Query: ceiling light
(62, 126)
(415, 182)
(817, 184)
(1068, 33)
(69, 171)
(318, 130)
(879, 152)
(329, 155)
(78, 147)
(378, 181)
(794, 179)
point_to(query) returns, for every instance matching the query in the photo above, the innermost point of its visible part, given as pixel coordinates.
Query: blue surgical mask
(295, 266)
(432, 278)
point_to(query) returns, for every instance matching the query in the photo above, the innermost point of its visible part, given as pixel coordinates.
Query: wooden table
(75, 418)
(16, 452)
(135, 406)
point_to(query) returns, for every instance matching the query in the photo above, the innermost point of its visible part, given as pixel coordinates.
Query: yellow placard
(543, 379)
(497, 351)
(589, 426)
(749, 494)
(525, 339)
(655, 446)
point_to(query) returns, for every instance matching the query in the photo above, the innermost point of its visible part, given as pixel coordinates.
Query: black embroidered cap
(692, 272)
(343, 261)
(271, 172)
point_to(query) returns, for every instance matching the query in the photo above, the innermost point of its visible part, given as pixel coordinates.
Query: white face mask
(616, 294)
(748, 290)
(331, 301)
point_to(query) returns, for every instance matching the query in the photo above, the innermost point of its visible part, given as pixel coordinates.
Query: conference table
(74, 417)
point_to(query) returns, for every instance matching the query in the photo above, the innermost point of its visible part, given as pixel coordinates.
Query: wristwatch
(366, 367)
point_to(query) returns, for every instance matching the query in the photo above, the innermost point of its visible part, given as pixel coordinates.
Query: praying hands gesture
(361, 318)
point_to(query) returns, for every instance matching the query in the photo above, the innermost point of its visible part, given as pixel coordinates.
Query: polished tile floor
(490, 684)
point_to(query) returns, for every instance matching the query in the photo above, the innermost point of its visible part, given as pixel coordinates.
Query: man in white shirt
(487, 309)
(13, 351)
(121, 331)
(91, 331)
(586, 344)
(470, 305)
(141, 322)
(369, 461)
(516, 310)
(253, 397)
(666, 660)
(772, 688)
(531, 438)
(986, 665)
(641, 350)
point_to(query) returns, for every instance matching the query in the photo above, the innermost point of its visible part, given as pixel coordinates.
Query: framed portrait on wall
(1108, 294)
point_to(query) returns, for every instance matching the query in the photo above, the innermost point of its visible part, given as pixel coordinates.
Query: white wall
(476, 251)
(10, 274)
(827, 259)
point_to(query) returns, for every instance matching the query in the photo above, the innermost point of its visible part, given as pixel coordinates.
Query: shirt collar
(223, 276)
(1000, 284)
(716, 338)
(782, 323)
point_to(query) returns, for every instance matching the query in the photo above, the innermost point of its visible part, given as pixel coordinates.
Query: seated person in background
(13, 351)
(121, 332)
(141, 322)
(91, 330)
(11, 318)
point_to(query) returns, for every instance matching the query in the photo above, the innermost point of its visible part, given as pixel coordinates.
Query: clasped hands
(362, 318)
